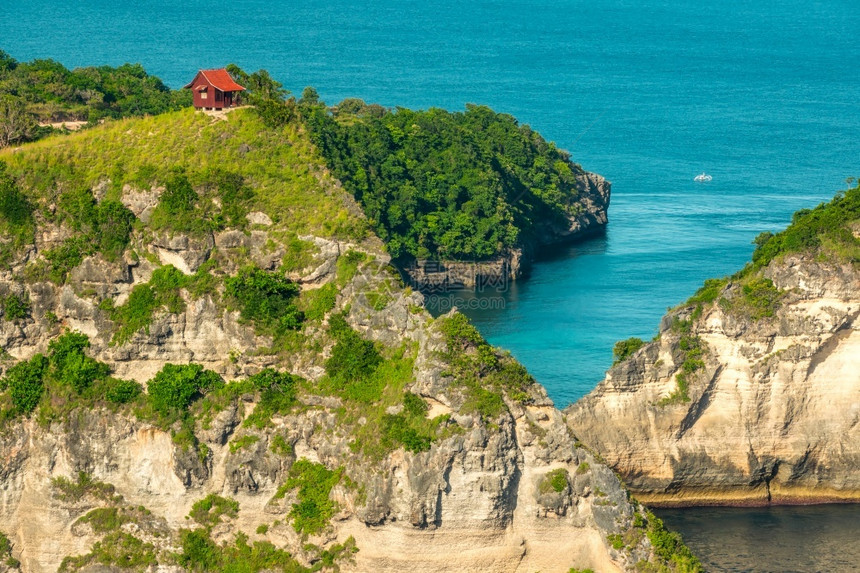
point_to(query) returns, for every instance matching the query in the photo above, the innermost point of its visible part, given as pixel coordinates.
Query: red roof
(219, 79)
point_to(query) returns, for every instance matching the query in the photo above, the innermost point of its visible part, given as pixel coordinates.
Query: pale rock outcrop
(773, 417)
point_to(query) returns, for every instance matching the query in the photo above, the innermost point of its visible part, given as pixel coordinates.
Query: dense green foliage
(15, 307)
(66, 377)
(201, 554)
(314, 482)
(71, 365)
(25, 383)
(761, 297)
(439, 184)
(265, 298)
(223, 200)
(353, 360)
(15, 208)
(625, 348)
(670, 547)
(44, 90)
(174, 387)
(74, 491)
(824, 228)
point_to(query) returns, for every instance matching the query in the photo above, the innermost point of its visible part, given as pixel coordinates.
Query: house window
(203, 95)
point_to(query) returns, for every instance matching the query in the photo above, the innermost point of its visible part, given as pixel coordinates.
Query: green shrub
(16, 307)
(347, 266)
(280, 446)
(616, 541)
(122, 391)
(114, 223)
(761, 297)
(353, 359)
(265, 298)
(118, 548)
(178, 197)
(320, 302)
(199, 552)
(174, 387)
(70, 364)
(104, 519)
(235, 195)
(625, 348)
(669, 546)
(486, 403)
(61, 260)
(104, 227)
(15, 209)
(314, 482)
(709, 292)
(209, 510)
(74, 491)
(397, 429)
(25, 383)
(243, 442)
(415, 405)
(812, 229)
(556, 480)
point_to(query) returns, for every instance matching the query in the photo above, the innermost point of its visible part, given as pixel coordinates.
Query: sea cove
(763, 97)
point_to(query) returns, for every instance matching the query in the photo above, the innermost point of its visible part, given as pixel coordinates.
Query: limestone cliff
(420, 448)
(751, 392)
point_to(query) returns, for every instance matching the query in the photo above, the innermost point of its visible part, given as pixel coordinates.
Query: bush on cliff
(824, 228)
(625, 348)
(267, 299)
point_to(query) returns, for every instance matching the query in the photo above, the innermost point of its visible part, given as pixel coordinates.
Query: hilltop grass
(280, 165)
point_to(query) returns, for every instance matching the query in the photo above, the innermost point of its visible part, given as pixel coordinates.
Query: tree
(310, 96)
(16, 123)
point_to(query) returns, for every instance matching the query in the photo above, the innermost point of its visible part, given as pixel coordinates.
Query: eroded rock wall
(773, 415)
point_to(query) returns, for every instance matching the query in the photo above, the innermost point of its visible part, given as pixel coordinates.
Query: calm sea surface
(763, 95)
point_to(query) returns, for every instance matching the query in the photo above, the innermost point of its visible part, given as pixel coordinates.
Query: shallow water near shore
(761, 95)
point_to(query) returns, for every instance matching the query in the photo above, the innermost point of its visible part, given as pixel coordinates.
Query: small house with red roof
(214, 89)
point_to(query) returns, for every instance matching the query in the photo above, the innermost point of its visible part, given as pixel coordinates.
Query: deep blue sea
(763, 95)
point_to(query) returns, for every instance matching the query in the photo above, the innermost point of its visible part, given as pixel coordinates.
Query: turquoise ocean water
(763, 95)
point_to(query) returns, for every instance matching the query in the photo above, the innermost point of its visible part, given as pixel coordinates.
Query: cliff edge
(750, 393)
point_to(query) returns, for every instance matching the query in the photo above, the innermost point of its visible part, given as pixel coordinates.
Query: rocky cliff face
(447, 457)
(472, 502)
(771, 412)
(589, 216)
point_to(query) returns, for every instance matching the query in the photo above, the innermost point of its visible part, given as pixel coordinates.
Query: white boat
(702, 177)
